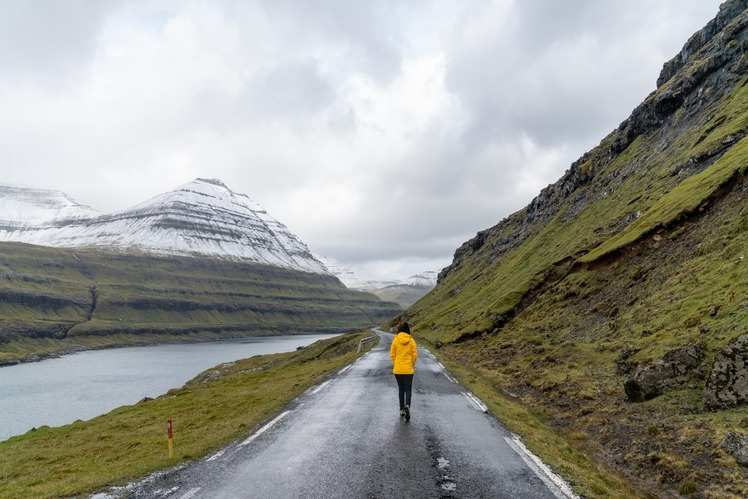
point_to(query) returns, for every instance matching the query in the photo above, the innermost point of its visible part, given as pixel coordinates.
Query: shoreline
(222, 403)
(141, 342)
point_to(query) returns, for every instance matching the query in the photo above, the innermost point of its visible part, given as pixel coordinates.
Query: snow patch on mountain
(353, 280)
(425, 279)
(20, 206)
(404, 292)
(350, 277)
(201, 218)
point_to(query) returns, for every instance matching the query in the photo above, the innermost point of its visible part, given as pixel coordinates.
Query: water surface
(83, 385)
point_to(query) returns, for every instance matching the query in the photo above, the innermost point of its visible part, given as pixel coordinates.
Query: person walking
(404, 354)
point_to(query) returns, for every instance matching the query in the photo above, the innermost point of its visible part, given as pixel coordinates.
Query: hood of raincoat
(404, 353)
(403, 338)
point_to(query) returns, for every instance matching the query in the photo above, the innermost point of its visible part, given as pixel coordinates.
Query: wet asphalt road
(345, 439)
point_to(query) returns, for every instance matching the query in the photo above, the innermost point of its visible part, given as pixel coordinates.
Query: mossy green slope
(54, 300)
(639, 249)
(567, 354)
(658, 177)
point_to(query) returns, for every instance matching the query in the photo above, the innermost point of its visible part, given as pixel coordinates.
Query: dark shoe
(402, 413)
(407, 413)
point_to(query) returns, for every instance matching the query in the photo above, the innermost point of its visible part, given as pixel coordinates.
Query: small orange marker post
(170, 437)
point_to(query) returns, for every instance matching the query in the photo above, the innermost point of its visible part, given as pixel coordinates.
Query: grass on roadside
(573, 463)
(218, 406)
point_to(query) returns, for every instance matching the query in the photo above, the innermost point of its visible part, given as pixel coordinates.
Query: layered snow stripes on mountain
(201, 218)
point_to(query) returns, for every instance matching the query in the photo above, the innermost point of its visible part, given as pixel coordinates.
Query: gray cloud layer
(383, 133)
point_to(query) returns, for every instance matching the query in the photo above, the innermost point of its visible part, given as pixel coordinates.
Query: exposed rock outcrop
(727, 12)
(676, 366)
(727, 385)
(709, 65)
(736, 444)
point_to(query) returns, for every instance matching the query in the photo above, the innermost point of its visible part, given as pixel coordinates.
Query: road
(344, 438)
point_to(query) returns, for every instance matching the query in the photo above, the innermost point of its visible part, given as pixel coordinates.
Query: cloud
(564, 72)
(43, 41)
(383, 133)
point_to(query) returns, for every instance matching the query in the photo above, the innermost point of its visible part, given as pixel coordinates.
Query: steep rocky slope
(54, 300)
(201, 218)
(614, 305)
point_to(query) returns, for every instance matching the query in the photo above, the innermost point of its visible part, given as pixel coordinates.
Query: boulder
(736, 444)
(727, 384)
(672, 369)
(623, 364)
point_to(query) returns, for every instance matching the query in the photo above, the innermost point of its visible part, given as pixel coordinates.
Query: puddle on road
(447, 484)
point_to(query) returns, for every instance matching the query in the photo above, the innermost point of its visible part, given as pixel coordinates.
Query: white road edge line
(216, 455)
(450, 378)
(190, 493)
(264, 428)
(344, 369)
(320, 387)
(555, 483)
(476, 401)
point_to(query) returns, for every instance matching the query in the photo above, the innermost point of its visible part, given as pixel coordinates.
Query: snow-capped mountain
(350, 277)
(201, 218)
(425, 279)
(403, 291)
(20, 206)
(407, 291)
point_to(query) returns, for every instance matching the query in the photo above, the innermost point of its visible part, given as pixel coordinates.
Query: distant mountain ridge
(201, 218)
(24, 207)
(353, 280)
(423, 279)
(404, 292)
(57, 300)
(197, 263)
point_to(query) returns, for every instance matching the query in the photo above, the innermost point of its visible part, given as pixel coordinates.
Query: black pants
(404, 388)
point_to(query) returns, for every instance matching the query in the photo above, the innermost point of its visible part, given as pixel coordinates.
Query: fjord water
(58, 391)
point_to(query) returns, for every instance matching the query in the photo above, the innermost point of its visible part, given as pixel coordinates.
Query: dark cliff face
(727, 12)
(709, 66)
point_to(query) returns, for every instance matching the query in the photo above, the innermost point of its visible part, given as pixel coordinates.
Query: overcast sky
(383, 133)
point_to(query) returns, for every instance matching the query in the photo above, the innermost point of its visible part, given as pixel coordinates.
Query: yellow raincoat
(403, 353)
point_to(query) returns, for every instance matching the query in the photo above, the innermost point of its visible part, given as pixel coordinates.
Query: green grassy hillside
(54, 300)
(645, 183)
(636, 255)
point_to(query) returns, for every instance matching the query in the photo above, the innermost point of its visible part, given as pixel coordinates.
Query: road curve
(344, 439)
